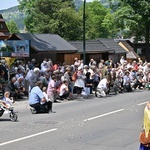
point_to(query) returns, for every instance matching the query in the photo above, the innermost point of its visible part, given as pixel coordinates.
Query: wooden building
(4, 32)
(129, 47)
(47, 46)
(102, 48)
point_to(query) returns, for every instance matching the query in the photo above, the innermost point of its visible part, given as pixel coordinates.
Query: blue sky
(7, 4)
(10, 3)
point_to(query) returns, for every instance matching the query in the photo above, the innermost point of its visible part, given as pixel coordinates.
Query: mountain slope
(13, 14)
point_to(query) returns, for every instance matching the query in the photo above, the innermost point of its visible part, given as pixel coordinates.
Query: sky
(10, 3)
(7, 4)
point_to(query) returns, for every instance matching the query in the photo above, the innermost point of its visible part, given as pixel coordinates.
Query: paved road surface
(111, 123)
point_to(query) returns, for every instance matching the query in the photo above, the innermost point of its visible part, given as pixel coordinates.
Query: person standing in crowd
(34, 78)
(104, 70)
(122, 60)
(50, 64)
(67, 76)
(3, 67)
(80, 81)
(19, 73)
(37, 101)
(44, 67)
(89, 82)
(101, 64)
(27, 77)
(76, 62)
(51, 89)
(3, 82)
(92, 62)
(146, 126)
(97, 76)
(33, 63)
(127, 82)
(43, 78)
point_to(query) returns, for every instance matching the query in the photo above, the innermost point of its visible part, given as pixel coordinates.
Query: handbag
(74, 76)
(145, 140)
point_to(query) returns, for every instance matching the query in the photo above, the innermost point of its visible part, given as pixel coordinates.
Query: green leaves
(129, 17)
(12, 26)
(53, 16)
(95, 14)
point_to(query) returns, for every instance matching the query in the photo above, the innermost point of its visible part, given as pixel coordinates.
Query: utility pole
(84, 40)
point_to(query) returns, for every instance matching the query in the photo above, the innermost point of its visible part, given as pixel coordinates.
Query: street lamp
(84, 44)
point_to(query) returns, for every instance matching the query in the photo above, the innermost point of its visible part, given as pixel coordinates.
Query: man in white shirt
(102, 87)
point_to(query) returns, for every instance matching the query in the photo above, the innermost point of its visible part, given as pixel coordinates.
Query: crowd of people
(46, 83)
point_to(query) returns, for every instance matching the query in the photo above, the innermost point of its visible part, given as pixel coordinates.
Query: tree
(132, 19)
(95, 14)
(55, 17)
(140, 11)
(12, 26)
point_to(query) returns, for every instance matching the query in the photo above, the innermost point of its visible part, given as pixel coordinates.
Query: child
(44, 89)
(64, 90)
(6, 101)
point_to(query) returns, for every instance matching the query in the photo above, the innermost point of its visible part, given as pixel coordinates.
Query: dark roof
(113, 44)
(91, 46)
(99, 45)
(46, 42)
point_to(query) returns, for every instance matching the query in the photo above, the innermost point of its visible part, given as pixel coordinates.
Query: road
(111, 123)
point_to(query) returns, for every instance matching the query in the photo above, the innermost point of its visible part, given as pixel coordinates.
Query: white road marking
(27, 137)
(109, 113)
(142, 103)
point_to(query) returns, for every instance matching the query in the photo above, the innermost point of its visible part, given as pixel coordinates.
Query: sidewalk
(23, 103)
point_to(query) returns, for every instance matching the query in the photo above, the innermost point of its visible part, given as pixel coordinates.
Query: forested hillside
(13, 14)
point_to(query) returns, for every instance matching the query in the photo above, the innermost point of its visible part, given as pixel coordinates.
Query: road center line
(142, 103)
(27, 137)
(109, 113)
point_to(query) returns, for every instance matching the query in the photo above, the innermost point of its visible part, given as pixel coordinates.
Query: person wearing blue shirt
(37, 101)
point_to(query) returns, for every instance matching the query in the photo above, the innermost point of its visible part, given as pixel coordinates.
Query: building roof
(127, 45)
(4, 32)
(91, 46)
(113, 44)
(46, 42)
(99, 45)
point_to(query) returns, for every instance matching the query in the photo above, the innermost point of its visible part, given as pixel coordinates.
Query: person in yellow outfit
(146, 126)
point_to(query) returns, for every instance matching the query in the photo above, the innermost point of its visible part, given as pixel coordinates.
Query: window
(1, 26)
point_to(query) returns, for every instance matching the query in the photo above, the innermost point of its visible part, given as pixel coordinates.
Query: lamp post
(84, 44)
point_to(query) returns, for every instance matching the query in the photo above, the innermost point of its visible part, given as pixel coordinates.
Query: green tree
(95, 14)
(134, 16)
(12, 26)
(55, 17)
(109, 24)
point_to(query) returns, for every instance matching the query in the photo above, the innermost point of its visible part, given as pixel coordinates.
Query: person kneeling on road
(102, 88)
(37, 101)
